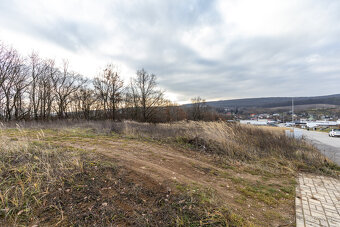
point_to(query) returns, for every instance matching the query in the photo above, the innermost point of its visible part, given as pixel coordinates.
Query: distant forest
(272, 102)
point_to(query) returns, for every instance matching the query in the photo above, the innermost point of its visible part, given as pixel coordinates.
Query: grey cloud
(71, 35)
(66, 32)
(249, 66)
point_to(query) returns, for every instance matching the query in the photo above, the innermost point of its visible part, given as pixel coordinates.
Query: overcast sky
(215, 49)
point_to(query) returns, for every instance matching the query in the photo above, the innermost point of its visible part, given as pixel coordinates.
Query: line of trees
(33, 88)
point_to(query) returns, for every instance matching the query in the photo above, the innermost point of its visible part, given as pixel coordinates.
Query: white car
(334, 132)
(289, 124)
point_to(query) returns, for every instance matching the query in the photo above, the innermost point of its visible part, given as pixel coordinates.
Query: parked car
(334, 132)
(289, 124)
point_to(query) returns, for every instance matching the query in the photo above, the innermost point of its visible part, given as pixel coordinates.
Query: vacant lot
(128, 173)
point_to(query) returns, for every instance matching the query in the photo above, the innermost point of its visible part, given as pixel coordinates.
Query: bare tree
(146, 96)
(46, 92)
(20, 88)
(64, 84)
(85, 99)
(37, 89)
(8, 61)
(198, 108)
(38, 70)
(109, 88)
(10, 70)
(7, 88)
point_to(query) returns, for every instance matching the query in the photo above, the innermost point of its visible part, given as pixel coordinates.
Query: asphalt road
(329, 146)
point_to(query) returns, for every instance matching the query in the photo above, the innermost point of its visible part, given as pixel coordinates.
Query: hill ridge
(269, 102)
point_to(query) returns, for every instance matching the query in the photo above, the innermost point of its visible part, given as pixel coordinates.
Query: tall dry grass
(231, 139)
(28, 172)
(228, 140)
(236, 142)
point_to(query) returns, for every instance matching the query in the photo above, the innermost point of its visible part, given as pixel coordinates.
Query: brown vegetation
(232, 141)
(43, 184)
(129, 173)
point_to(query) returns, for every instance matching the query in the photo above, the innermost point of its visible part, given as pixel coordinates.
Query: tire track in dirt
(162, 163)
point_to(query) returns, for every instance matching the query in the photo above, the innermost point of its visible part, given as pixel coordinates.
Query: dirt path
(163, 163)
(182, 169)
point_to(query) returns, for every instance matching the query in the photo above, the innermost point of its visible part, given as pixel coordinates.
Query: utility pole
(292, 110)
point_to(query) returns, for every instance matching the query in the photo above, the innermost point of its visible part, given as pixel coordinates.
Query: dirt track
(163, 163)
(178, 166)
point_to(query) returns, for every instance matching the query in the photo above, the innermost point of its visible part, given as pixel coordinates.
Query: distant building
(315, 124)
(254, 122)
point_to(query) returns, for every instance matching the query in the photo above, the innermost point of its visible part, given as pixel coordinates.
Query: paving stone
(318, 201)
(311, 224)
(323, 223)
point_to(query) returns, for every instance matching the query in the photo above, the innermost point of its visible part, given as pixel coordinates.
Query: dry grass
(229, 141)
(28, 173)
(48, 184)
(232, 142)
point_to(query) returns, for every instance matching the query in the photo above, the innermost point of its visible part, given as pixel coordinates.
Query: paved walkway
(317, 201)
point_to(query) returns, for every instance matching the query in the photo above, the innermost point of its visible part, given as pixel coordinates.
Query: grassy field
(129, 173)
